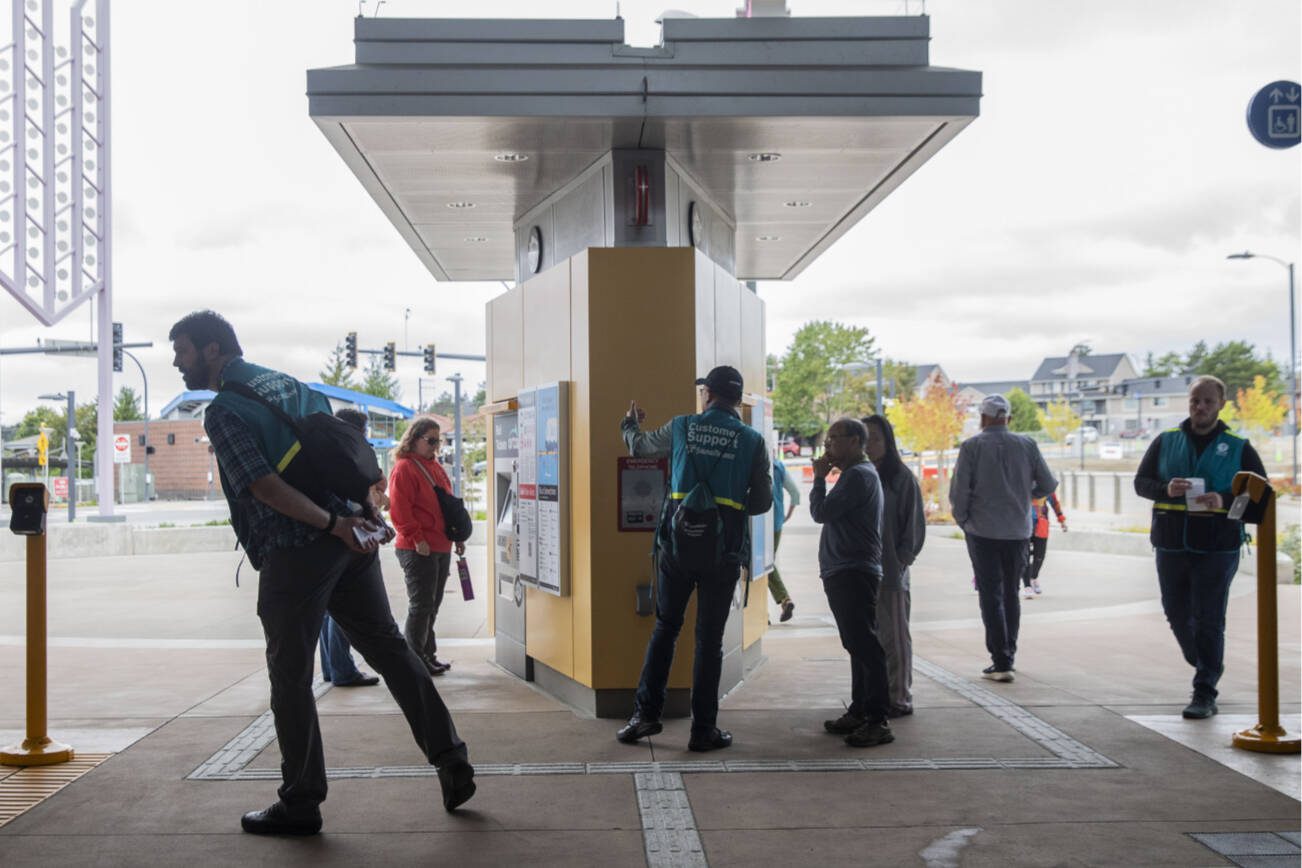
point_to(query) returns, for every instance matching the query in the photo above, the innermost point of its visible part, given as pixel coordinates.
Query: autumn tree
(1060, 420)
(932, 420)
(1260, 408)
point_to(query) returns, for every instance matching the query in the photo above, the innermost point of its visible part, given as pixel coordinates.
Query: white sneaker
(1028, 594)
(1035, 586)
(990, 673)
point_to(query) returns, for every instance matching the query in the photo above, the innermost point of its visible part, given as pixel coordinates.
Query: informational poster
(548, 442)
(506, 456)
(527, 487)
(761, 526)
(643, 483)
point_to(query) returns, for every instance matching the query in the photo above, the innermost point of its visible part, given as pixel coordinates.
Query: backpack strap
(251, 394)
(428, 476)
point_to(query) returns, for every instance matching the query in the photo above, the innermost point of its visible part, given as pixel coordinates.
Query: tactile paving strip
(668, 825)
(28, 787)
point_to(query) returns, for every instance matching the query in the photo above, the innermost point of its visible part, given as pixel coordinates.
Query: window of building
(1159, 402)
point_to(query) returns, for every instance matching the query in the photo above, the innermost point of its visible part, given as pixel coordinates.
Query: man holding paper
(1187, 473)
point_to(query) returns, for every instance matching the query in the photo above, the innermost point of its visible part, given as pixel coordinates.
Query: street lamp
(145, 381)
(71, 398)
(1292, 349)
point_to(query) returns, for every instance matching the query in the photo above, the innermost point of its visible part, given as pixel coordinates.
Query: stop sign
(121, 449)
(60, 485)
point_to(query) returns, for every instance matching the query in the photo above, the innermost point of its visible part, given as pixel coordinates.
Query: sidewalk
(157, 660)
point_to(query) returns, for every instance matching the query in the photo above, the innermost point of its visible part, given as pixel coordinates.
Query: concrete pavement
(1084, 760)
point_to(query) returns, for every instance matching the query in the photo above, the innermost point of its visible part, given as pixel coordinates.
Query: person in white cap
(997, 474)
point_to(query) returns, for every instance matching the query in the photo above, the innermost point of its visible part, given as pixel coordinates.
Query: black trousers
(674, 589)
(998, 565)
(852, 596)
(1038, 546)
(427, 577)
(296, 587)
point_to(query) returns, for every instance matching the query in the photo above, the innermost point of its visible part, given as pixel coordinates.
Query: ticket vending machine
(509, 592)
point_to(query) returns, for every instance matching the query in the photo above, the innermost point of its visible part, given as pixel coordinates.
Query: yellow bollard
(1267, 736)
(29, 502)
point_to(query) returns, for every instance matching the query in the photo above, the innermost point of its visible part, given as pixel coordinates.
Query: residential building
(1156, 403)
(1094, 392)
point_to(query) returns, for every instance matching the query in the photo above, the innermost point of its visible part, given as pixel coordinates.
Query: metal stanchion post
(1267, 736)
(29, 503)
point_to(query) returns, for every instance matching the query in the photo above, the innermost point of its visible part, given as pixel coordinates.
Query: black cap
(724, 382)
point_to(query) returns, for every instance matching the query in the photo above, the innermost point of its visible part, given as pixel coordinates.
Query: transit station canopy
(795, 127)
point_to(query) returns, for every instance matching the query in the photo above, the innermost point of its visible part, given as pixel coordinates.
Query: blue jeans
(1195, 594)
(713, 602)
(336, 654)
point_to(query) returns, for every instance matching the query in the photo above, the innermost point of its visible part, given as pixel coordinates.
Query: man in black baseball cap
(723, 381)
(719, 475)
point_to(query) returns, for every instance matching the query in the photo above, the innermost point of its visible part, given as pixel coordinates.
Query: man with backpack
(313, 555)
(719, 476)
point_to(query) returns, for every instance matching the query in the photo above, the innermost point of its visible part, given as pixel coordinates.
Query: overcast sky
(1094, 199)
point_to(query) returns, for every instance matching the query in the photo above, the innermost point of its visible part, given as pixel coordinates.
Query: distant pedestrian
(1040, 541)
(309, 561)
(1197, 542)
(904, 530)
(786, 497)
(424, 550)
(850, 565)
(337, 664)
(996, 475)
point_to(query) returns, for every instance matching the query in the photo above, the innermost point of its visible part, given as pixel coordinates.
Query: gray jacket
(996, 476)
(904, 528)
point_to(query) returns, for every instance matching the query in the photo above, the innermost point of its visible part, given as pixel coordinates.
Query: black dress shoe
(712, 740)
(457, 779)
(360, 681)
(277, 820)
(637, 728)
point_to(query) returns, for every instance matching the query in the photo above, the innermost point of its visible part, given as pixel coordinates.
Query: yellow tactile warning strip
(28, 787)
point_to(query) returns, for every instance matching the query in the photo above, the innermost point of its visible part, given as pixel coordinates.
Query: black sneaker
(715, 739)
(990, 673)
(843, 725)
(1199, 708)
(871, 734)
(278, 820)
(637, 728)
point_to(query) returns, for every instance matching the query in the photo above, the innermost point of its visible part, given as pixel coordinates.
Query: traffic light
(350, 350)
(43, 449)
(390, 356)
(429, 358)
(117, 347)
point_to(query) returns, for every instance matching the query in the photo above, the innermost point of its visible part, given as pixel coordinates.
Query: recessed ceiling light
(798, 203)
(768, 237)
(461, 204)
(511, 157)
(476, 239)
(764, 157)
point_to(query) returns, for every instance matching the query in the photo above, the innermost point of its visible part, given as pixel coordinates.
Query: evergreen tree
(336, 371)
(379, 382)
(127, 406)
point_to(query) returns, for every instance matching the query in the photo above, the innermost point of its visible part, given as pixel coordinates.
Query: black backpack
(333, 457)
(696, 527)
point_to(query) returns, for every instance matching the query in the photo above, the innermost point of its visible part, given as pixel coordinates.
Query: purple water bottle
(463, 570)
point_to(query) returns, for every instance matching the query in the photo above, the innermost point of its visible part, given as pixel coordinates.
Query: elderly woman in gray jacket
(904, 529)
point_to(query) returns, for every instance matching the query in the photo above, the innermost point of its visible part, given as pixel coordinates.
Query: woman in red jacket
(424, 550)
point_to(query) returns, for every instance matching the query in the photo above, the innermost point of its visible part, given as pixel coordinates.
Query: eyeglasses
(432, 441)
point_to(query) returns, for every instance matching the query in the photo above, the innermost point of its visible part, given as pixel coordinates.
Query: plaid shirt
(242, 463)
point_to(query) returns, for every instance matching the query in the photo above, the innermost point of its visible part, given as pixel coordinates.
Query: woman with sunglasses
(424, 551)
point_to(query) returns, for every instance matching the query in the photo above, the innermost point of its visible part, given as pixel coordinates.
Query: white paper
(1197, 488)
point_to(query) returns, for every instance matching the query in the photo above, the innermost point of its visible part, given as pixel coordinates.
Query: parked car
(790, 448)
(1090, 434)
(1134, 434)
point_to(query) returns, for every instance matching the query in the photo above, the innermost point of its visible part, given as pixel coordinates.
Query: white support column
(104, 441)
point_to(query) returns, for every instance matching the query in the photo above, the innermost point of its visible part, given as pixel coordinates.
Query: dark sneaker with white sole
(871, 734)
(843, 725)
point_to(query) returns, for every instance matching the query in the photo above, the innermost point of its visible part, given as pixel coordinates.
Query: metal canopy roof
(428, 115)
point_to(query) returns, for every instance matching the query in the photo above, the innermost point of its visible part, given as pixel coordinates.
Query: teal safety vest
(1174, 527)
(276, 442)
(714, 439)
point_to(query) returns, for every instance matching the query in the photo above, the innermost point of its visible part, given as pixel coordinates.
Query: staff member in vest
(716, 447)
(424, 550)
(850, 565)
(308, 562)
(1197, 543)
